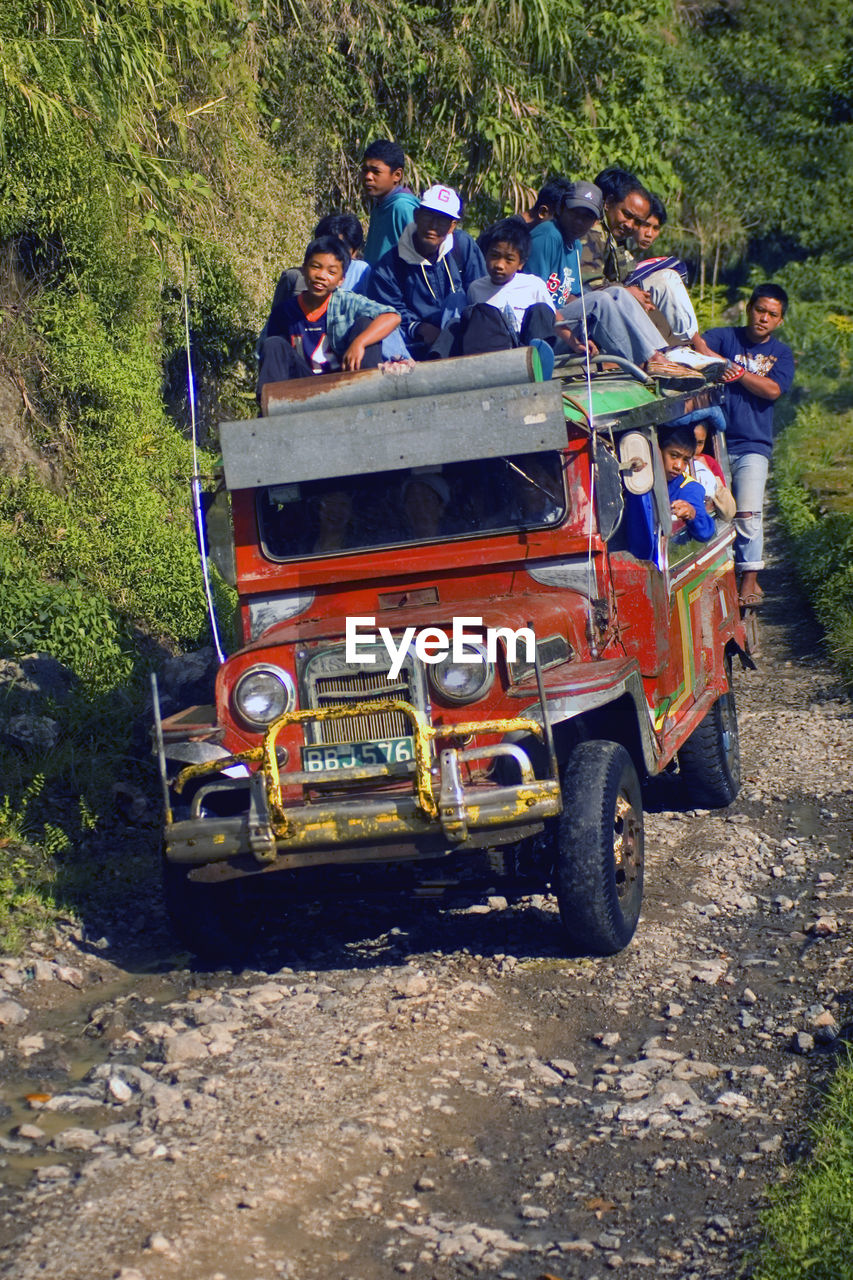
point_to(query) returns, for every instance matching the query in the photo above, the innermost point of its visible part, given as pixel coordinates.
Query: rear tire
(709, 761)
(599, 849)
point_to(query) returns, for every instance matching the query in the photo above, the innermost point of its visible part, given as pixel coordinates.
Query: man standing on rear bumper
(764, 371)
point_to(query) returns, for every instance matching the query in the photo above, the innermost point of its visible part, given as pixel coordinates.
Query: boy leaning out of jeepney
(686, 495)
(324, 328)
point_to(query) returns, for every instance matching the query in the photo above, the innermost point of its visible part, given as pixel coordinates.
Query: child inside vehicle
(719, 499)
(687, 497)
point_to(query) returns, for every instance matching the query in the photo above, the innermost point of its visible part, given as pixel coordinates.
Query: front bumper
(432, 812)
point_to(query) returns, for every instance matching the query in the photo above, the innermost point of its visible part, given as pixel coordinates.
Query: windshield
(421, 504)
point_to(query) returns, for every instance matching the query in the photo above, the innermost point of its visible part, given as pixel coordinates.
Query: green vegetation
(807, 1227)
(813, 463)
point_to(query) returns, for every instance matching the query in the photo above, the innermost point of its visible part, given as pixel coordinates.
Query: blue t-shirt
(556, 261)
(308, 330)
(749, 418)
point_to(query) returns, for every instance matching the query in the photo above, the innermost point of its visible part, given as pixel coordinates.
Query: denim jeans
(616, 323)
(673, 301)
(749, 476)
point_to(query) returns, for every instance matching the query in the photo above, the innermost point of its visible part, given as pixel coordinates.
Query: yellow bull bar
(423, 735)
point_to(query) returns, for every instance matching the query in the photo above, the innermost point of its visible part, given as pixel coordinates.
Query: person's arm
(385, 289)
(377, 330)
(688, 505)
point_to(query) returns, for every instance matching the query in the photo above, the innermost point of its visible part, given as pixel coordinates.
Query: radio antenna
(198, 515)
(591, 585)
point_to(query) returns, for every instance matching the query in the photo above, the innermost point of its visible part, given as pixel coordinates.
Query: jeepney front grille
(362, 686)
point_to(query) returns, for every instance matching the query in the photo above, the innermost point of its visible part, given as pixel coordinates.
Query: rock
(12, 1014)
(409, 987)
(425, 1184)
(544, 1073)
(732, 1101)
(710, 972)
(607, 1240)
(584, 1247)
(158, 1243)
(673, 1010)
(564, 1066)
(28, 1045)
(75, 1140)
(187, 1046)
(497, 903)
(189, 677)
(37, 674)
(533, 1213)
(30, 733)
(748, 996)
(120, 1089)
(607, 1039)
(802, 1042)
(823, 927)
(73, 977)
(30, 1132)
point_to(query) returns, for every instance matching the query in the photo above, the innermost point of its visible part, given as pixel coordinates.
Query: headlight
(462, 681)
(262, 694)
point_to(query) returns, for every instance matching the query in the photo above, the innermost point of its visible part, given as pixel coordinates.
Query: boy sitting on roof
(324, 328)
(392, 203)
(507, 307)
(424, 277)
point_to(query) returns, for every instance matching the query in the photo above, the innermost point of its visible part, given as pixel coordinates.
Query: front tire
(201, 915)
(599, 849)
(709, 761)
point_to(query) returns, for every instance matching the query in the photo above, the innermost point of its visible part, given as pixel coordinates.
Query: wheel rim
(729, 735)
(627, 846)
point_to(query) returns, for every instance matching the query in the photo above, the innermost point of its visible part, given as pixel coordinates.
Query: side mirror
(635, 463)
(608, 487)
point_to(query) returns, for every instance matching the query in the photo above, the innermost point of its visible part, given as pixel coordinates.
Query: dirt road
(425, 1086)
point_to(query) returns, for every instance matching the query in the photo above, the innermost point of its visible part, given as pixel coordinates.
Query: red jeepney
(450, 642)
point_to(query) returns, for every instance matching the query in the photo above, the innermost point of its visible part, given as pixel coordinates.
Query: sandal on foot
(752, 600)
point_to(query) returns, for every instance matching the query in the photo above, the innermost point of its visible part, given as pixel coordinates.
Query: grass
(813, 481)
(807, 1226)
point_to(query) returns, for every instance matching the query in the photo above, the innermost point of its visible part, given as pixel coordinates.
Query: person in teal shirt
(393, 204)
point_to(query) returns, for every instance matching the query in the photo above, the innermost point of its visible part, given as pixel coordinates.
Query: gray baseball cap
(583, 195)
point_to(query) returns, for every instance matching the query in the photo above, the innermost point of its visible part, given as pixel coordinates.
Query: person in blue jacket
(687, 497)
(425, 277)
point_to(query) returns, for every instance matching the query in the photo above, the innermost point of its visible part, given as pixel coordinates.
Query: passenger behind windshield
(425, 504)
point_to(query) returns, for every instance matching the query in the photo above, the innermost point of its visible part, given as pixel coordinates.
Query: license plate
(352, 755)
